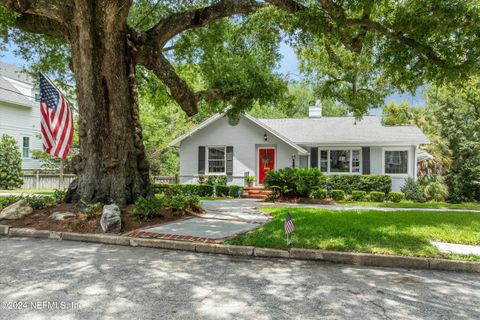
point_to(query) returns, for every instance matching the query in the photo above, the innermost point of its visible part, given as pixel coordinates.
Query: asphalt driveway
(116, 282)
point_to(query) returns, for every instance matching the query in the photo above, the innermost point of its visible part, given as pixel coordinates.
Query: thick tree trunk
(112, 166)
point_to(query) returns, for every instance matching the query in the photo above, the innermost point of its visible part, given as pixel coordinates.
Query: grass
(409, 204)
(28, 191)
(397, 232)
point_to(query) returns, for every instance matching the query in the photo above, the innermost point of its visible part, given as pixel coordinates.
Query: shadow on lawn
(114, 282)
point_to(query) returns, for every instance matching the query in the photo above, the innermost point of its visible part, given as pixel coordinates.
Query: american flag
(56, 119)
(289, 227)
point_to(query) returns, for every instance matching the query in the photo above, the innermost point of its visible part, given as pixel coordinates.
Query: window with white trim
(340, 161)
(216, 158)
(396, 161)
(26, 147)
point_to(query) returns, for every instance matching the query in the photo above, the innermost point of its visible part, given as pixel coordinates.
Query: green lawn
(28, 191)
(408, 204)
(397, 232)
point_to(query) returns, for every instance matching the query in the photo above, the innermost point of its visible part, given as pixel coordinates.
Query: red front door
(266, 162)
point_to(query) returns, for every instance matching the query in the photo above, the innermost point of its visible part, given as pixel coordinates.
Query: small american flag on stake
(289, 227)
(56, 119)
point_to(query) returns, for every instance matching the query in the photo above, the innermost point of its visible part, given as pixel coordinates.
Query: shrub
(368, 183)
(201, 190)
(434, 187)
(376, 196)
(293, 182)
(39, 202)
(338, 195)
(148, 208)
(214, 180)
(413, 190)
(59, 195)
(319, 194)
(93, 209)
(235, 191)
(358, 195)
(222, 191)
(6, 201)
(10, 163)
(396, 196)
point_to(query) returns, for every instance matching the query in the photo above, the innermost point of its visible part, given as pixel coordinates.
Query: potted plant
(250, 180)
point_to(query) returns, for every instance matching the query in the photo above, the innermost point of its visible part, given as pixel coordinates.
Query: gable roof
(298, 132)
(217, 116)
(8, 92)
(345, 131)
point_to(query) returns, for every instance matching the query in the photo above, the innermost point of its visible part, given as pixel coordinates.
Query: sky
(288, 66)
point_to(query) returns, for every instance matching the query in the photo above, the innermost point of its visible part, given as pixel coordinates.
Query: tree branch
(289, 6)
(41, 25)
(57, 10)
(176, 23)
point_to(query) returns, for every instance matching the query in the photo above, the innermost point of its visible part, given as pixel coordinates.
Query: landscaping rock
(16, 210)
(60, 216)
(111, 220)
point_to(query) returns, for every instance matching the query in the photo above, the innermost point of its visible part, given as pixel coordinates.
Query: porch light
(293, 160)
(265, 137)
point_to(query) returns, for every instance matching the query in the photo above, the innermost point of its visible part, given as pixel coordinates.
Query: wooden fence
(57, 181)
(47, 181)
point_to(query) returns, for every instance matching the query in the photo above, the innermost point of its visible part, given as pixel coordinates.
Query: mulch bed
(304, 200)
(82, 223)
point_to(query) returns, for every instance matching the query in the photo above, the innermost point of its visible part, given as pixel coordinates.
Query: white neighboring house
(335, 145)
(20, 112)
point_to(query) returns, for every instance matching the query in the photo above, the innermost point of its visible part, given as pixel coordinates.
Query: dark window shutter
(229, 164)
(313, 157)
(201, 160)
(366, 160)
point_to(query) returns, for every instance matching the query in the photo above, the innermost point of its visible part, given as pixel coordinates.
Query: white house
(20, 112)
(335, 145)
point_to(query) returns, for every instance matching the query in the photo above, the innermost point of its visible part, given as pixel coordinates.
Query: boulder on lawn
(60, 216)
(111, 220)
(16, 210)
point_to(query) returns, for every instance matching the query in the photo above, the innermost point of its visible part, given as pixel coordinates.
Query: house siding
(377, 167)
(245, 137)
(19, 122)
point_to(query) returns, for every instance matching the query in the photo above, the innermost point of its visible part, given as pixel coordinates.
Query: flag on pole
(56, 119)
(289, 227)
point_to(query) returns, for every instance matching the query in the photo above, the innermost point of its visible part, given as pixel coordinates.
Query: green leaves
(10, 163)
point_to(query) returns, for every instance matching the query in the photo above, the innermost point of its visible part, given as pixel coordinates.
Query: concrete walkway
(215, 224)
(456, 248)
(252, 204)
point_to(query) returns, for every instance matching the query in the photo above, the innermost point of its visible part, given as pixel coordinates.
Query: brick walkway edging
(363, 259)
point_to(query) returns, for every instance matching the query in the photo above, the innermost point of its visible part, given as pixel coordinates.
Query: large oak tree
(405, 43)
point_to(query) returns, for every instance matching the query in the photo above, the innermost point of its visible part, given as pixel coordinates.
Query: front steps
(257, 192)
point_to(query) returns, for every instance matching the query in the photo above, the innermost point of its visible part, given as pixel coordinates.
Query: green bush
(319, 194)
(6, 201)
(214, 180)
(222, 191)
(396, 196)
(434, 187)
(293, 182)
(151, 207)
(413, 190)
(59, 195)
(338, 195)
(234, 191)
(201, 190)
(376, 196)
(10, 163)
(359, 195)
(367, 183)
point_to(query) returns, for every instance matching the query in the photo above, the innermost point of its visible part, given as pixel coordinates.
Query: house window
(324, 160)
(396, 162)
(26, 147)
(216, 159)
(339, 161)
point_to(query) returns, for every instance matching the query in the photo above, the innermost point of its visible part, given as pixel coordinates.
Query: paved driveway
(116, 282)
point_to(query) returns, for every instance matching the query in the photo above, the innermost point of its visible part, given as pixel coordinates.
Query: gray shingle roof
(8, 92)
(344, 131)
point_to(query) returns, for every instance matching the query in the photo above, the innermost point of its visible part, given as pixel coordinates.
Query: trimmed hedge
(396, 196)
(376, 196)
(200, 190)
(338, 195)
(293, 182)
(359, 195)
(319, 194)
(351, 182)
